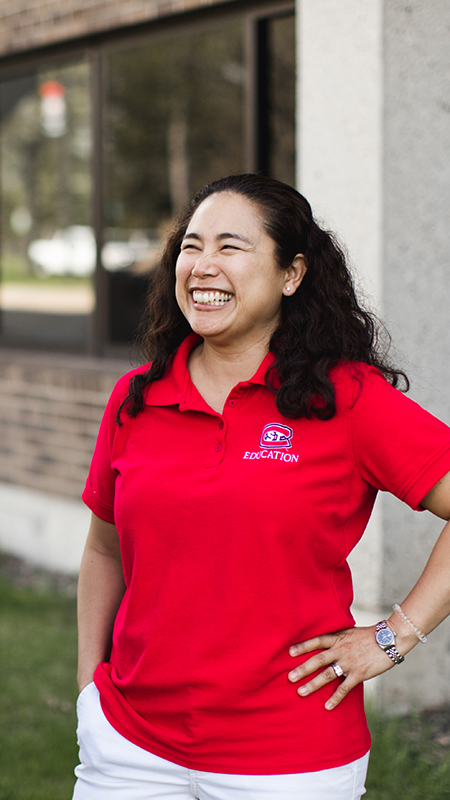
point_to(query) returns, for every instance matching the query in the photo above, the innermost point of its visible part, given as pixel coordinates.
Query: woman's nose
(205, 265)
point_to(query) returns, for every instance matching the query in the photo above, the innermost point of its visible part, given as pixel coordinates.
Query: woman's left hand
(354, 650)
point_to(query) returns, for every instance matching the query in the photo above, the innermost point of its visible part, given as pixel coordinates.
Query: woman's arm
(100, 589)
(355, 649)
(429, 600)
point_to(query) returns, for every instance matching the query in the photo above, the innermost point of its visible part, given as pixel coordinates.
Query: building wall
(50, 410)
(26, 24)
(43, 528)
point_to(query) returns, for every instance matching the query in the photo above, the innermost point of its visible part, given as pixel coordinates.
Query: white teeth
(211, 298)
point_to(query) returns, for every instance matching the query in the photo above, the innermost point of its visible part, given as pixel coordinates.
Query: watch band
(394, 655)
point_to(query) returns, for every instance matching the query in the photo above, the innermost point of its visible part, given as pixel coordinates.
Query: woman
(230, 481)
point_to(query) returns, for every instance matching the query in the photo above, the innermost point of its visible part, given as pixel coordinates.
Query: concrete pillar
(340, 123)
(373, 144)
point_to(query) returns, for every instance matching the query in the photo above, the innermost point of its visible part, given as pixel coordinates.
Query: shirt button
(218, 448)
(232, 403)
(221, 424)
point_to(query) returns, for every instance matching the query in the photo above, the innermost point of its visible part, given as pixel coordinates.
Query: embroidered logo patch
(276, 436)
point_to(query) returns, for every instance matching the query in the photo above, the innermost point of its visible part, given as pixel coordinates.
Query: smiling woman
(230, 288)
(231, 479)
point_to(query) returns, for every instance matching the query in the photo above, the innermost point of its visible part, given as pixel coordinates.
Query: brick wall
(50, 410)
(26, 24)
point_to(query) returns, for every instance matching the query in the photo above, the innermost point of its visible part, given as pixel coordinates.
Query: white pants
(112, 768)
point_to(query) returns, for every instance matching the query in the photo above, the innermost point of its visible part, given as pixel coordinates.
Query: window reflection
(175, 113)
(175, 120)
(48, 248)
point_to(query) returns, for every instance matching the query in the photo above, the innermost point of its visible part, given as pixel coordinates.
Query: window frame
(95, 48)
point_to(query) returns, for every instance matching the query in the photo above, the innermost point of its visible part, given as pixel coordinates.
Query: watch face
(385, 637)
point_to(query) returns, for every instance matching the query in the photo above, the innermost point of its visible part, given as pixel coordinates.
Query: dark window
(91, 181)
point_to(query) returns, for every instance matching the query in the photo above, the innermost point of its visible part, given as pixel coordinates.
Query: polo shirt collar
(176, 387)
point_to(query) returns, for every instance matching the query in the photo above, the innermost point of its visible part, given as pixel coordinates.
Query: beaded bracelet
(398, 610)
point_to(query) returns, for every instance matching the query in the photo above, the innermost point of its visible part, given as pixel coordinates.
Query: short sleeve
(398, 446)
(99, 491)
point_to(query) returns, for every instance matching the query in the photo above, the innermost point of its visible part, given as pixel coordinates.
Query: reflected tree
(174, 122)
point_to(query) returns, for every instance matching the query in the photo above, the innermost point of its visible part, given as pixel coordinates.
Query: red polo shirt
(234, 530)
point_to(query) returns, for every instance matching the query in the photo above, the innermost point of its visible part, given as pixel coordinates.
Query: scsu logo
(276, 436)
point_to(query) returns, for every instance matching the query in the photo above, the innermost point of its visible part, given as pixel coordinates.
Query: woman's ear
(294, 275)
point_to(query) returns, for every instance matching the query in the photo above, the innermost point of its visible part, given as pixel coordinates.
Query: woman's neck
(216, 370)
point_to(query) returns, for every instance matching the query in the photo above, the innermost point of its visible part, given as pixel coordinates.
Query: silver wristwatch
(385, 638)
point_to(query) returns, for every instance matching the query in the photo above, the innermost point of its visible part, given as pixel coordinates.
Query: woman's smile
(210, 298)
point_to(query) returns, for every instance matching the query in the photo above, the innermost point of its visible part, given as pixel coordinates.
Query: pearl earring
(288, 288)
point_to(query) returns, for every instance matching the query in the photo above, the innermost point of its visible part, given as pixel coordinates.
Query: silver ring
(338, 671)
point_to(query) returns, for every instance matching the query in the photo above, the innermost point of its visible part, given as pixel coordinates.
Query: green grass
(410, 756)
(16, 269)
(37, 695)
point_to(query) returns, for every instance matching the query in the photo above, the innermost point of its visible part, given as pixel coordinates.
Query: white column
(339, 124)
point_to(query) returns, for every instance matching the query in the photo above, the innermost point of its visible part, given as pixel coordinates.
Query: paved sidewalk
(51, 299)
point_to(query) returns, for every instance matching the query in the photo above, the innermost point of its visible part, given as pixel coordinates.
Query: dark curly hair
(321, 324)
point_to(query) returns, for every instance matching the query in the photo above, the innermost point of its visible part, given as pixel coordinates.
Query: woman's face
(228, 284)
